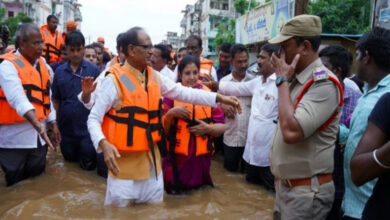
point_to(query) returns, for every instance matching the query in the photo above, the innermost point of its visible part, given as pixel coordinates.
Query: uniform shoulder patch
(320, 74)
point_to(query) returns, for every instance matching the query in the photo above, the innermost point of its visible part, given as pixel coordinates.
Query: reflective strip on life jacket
(340, 105)
(36, 83)
(136, 125)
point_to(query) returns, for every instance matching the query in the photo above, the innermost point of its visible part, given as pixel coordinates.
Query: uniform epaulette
(320, 74)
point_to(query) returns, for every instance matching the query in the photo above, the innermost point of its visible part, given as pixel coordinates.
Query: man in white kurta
(140, 184)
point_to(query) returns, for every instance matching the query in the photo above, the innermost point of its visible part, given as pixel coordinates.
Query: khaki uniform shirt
(135, 166)
(313, 155)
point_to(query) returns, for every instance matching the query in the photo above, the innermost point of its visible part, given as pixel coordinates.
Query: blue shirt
(72, 116)
(221, 74)
(355, 198)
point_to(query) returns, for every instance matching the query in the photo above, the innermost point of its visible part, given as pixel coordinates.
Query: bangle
(377, 161)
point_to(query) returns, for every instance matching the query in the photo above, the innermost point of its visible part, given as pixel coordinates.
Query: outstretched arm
(178, 92)
(239, 88)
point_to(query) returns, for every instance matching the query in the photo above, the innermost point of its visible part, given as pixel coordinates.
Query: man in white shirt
(160, 59)
(22, 144)
(263, 117)
(237, 125)
(135, 177)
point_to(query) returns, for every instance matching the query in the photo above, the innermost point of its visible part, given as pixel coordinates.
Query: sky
(108, 18)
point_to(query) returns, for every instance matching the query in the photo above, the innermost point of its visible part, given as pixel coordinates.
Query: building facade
(38, 10)
(203, 18)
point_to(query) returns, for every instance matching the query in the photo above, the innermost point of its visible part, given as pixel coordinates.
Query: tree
(241, 6)
(14, 22)
(342, 16)
(226, 30)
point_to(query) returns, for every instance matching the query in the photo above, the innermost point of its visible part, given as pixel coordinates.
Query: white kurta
(107, 97)
(262, 121)
(21, 135)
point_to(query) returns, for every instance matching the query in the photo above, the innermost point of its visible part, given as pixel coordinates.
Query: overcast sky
(107, 18)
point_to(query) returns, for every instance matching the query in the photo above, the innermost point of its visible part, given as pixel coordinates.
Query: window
(225, 6)
(10, 14)
(212, 5)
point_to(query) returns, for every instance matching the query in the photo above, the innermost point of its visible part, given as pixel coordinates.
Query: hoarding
(263, 22)
(382, 14)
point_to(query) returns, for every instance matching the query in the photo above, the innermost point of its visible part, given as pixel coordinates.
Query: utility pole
(301, 7)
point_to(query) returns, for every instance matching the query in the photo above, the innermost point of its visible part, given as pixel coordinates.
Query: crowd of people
(305, 127)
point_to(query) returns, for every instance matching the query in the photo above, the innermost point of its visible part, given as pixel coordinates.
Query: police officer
(309, 102)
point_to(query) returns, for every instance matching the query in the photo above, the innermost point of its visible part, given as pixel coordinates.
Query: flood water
(65, 191)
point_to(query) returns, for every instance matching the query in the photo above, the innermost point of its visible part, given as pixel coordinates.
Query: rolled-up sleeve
(181, 93)
(317, 106)
(108, 97)
(13, 89)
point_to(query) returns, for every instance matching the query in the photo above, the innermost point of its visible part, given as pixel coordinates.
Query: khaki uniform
(312, 156)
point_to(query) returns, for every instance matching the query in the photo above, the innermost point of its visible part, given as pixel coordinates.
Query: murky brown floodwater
(65, 191)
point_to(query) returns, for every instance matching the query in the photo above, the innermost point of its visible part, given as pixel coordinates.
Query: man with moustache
(310, 99)
(263, 114)
(127, 128)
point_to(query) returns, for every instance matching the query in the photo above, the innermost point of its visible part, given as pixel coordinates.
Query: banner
(264, 22)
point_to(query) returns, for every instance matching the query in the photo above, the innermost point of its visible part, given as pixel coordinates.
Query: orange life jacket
(52, 44)
(114, 61)
(36, 84)
(204, 144)
(339, 107)
(134, 125)
(206, 66)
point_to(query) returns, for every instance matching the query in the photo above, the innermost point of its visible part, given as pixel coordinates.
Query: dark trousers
(80, 149)
(233, 158)
(338, 179)
(20, 164)
(260, 176)
(218, 144)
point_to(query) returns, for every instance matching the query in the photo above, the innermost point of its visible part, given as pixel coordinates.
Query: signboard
(264, 22)
(382, 13)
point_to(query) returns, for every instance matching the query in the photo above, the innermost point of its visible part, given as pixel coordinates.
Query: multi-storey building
(203, 18)
(38, 10)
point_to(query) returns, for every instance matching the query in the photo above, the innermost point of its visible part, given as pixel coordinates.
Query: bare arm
(56, 105)
(38, 126)
(203, 128)
(176, 112)
(363, 166)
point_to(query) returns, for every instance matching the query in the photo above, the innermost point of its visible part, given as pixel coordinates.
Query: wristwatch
(280, 80)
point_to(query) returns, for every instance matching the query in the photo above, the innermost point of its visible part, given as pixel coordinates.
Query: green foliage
(241, 6)
(342, 16)
(14, 22)
(226, 32)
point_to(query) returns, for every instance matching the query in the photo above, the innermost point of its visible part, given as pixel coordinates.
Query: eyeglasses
(146, 47)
